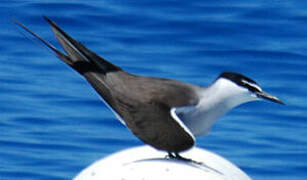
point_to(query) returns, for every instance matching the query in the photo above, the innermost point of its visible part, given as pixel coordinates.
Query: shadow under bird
(166, 114)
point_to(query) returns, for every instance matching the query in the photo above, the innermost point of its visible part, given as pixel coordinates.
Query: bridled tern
(166, 114)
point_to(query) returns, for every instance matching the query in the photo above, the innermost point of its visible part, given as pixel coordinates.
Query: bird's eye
(251, 86)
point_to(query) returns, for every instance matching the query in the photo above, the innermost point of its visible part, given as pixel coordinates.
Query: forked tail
(78, 56)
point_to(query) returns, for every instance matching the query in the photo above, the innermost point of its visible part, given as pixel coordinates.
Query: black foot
(178, 157)
(170, 156)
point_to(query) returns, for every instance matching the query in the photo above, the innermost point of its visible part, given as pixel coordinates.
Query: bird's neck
(225, 94)
(215, 101)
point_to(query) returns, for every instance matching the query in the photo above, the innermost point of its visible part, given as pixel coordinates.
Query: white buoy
(146, 163)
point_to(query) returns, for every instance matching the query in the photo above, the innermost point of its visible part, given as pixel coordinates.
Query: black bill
(264, 95)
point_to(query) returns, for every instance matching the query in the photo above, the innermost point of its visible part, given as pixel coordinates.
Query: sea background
(53, 124)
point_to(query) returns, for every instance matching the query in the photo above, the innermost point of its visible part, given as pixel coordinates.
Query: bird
(163, 113)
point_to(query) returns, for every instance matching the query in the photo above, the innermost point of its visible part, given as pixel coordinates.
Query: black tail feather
(78, 51)
(79, 57)
(57, 52)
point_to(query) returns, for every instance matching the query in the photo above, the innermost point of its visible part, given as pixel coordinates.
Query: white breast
(215, 101)
(200, 119)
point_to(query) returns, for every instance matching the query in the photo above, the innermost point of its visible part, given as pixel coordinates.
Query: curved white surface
(146, 163)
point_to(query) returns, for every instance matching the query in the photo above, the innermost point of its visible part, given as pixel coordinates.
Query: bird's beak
(264, 95)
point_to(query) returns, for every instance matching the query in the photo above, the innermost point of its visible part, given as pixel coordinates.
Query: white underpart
(179, 121)
(215, 101)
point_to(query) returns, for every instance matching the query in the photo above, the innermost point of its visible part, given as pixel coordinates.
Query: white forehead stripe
(252, 84)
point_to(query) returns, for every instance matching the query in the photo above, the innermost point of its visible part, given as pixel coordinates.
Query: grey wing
(153, 122)
(157, 124)
(149, 110)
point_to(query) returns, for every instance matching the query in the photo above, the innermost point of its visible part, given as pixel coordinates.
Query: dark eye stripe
(251, 87)
(241, 80)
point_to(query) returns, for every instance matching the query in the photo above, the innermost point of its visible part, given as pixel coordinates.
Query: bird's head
(240, 89)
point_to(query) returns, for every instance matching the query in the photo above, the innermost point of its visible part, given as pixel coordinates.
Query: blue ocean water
(53, 124)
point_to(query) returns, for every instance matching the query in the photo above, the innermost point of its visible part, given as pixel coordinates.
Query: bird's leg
(180, 158)
(170, 155)
(177, 156)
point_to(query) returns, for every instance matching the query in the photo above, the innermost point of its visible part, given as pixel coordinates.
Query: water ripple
(53, 124)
